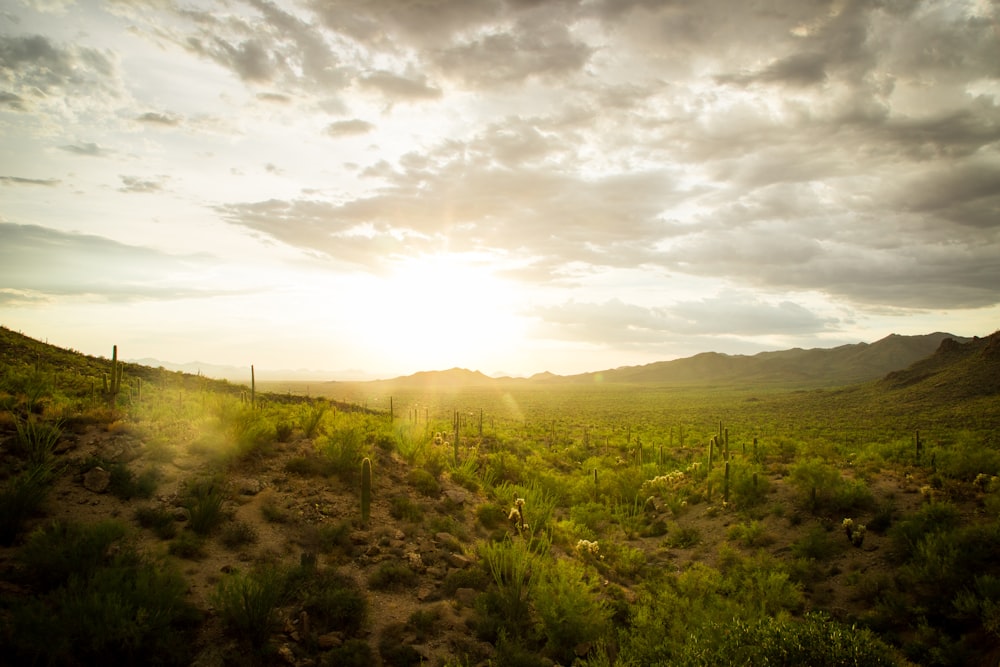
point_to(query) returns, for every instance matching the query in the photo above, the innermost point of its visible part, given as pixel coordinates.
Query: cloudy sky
(503, 185)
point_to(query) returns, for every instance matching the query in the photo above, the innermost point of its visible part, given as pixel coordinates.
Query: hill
(958, 370)
(795, 368)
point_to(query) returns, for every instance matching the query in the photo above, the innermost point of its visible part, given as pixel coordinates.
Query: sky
(373, 188)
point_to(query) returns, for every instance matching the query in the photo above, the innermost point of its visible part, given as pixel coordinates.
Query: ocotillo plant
(366, 490)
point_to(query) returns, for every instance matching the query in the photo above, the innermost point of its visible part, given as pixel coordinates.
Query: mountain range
(817, 367)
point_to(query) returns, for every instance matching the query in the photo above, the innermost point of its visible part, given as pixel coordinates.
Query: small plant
(683, 537)
(204, 502)
(272, 513)
(60, 550)
(424, 482)
(157, 519)
(392, 575)
(404, 509)
(187, 545)
(334, 602)
(21, 498)
(491, 515)
(237, 534)
(247, 603)
(37, 439)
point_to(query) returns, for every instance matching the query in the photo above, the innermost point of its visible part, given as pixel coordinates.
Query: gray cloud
(89, 149)
(17, 180)
(398, 87)
(157, 118)
(12, 101)
(143, 185)
(617, 323)
(36, 261)
(33, 66)
(344, 128)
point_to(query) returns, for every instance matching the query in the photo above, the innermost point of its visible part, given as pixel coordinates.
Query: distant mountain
(817, 367)
(241, 374)
(843, 365)
(958, 369)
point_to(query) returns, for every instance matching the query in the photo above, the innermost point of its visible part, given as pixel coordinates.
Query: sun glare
(440, 311)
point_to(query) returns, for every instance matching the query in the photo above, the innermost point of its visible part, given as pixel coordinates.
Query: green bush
(814, 640)
(247, 603)
(491, 515)
(817, 544)
(237, 534)
(37, 439)
(392, 575)
(404, 509)
(157, 519)
(334, 603)
(126, 611)
(352, 653)
(204, 501)
(63, 549)
(187, 545)
(21, 498)
(424, 482)
(569, 610)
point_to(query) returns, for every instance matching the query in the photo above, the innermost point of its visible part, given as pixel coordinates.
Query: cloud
(513, 56)
(142, 185)
(616, 323)
(89, 149)
(345, 128)
(157, 118)
(37, 261)
(12, 101)
(398, 87)
(34, 67)
(17, 180)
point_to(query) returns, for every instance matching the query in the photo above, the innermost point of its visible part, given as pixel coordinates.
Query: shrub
(157, 519)
(187, 545)
(61, 549)
(352, 653)
(394, 650)
(204, 501)
(237, 534)
(683, 537)
(126, 611)
(816, 544)
(343, 450)
(21, 498)
(814, 640)
(36, 439)
(751, 534)
(404, 509)
(126, 485)
(424, 482)
(570, 613)
(392, 575)
(247, 603)
(311, 418)
(491, 515)
(272, 513)
(334, 602)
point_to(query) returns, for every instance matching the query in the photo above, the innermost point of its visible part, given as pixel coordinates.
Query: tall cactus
(366, 490)
(117, 370)
(725, 485)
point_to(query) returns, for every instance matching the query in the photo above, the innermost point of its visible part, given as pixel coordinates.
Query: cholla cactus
(516, 515)
(859, 535)
(848, 525)
(585, 547)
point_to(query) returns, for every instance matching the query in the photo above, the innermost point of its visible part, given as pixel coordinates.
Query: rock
(97, 480)
(459, 561)
(182, 514)
(457, 495)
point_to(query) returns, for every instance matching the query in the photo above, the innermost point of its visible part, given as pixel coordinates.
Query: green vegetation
(526, 523)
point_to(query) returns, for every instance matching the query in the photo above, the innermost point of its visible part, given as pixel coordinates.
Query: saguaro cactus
(117, 370)
(366, 490)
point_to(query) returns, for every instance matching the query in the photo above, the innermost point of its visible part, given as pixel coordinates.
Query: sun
(443, 310)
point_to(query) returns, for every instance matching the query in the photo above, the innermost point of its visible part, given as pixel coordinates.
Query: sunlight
(441, 311)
